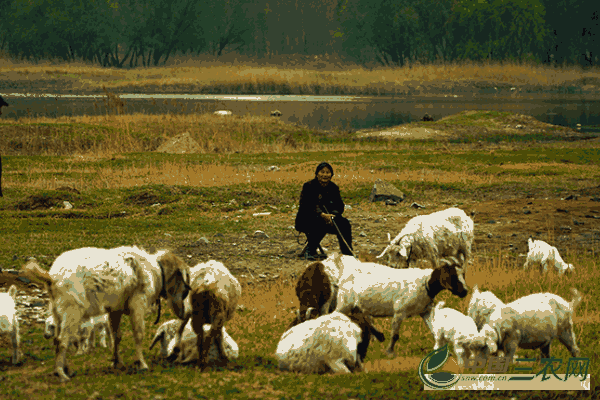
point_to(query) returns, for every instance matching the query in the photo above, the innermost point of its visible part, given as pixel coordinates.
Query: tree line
(130, 33)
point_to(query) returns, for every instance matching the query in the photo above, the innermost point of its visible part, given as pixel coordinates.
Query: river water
(322, 112)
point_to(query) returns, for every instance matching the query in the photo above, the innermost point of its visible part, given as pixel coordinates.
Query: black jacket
(316, 199)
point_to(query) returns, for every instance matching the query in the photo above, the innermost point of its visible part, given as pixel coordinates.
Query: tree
(498, 29)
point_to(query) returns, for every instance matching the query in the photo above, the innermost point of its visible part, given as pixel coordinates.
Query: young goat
(88, 282)
(542, 254)
(481, 306)
(87, 333)
(9, 323)
(165, 335)
(333, 342)
(446, 233)
(213, 300)
(449, 325)
(382, 291)
(532, 322)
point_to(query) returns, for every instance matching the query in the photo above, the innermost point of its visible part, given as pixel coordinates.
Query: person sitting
(320, 212)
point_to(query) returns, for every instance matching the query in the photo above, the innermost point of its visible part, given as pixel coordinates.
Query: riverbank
(194, 77)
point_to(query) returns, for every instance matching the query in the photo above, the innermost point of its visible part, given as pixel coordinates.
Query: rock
(578, 223)
(362, 234)
(202, 240)
(390, 202)
(273, 168)
(416, 205)
(594, 198)
(489, 235)
(427, 117)
(491, 221)
(67, 205)
(565, 228)
(218, 234)
(383, 191)
(23, 279)
(262, 214)
(180, 144)
(347, 207)
(275, 113)
(561, 210)
(223, 112)
(572, 197)
(592, 216)
(260, 235)
(15, 257)
(155, 205)
(527, 212)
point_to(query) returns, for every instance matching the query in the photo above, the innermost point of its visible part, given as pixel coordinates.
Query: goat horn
(308, 311)
(384, 251)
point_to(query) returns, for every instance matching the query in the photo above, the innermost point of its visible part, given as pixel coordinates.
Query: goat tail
(576, 299)
(33, 269)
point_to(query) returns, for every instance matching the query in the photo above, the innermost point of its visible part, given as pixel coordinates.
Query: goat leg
(115, 319)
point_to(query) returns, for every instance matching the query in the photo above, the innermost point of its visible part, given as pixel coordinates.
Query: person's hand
(328, 218)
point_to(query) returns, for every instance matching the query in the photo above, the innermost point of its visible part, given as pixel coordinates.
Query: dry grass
(327, 76)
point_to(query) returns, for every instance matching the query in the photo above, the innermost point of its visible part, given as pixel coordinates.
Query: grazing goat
(447, 233)
(88, 282)
(449, 325)
(87, 333)
(165, 335)
(532, 322)
(213, 300)
(317, 289)
(333, 342)
(481, 306)
(9, 322)
(381, 291)
(544, 255)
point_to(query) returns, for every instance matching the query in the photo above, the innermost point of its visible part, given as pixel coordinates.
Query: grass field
(131, 195)
(287, 75)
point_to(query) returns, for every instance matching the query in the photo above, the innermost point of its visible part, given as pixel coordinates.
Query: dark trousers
(322, 228)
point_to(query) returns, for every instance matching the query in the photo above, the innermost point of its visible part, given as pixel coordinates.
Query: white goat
(335, 342)
(88, 282)
(447, 233)
(381, 291)
(165, 335)
(542, 254)
(532, 322)
(481, 306)
(9, 322)
(213, 300)
(449, 325)
(88, 331)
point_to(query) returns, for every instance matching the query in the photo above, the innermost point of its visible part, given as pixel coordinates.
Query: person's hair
(324, 165)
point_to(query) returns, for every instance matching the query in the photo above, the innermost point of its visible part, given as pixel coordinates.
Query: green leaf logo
(433, 361)
(438, 358)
